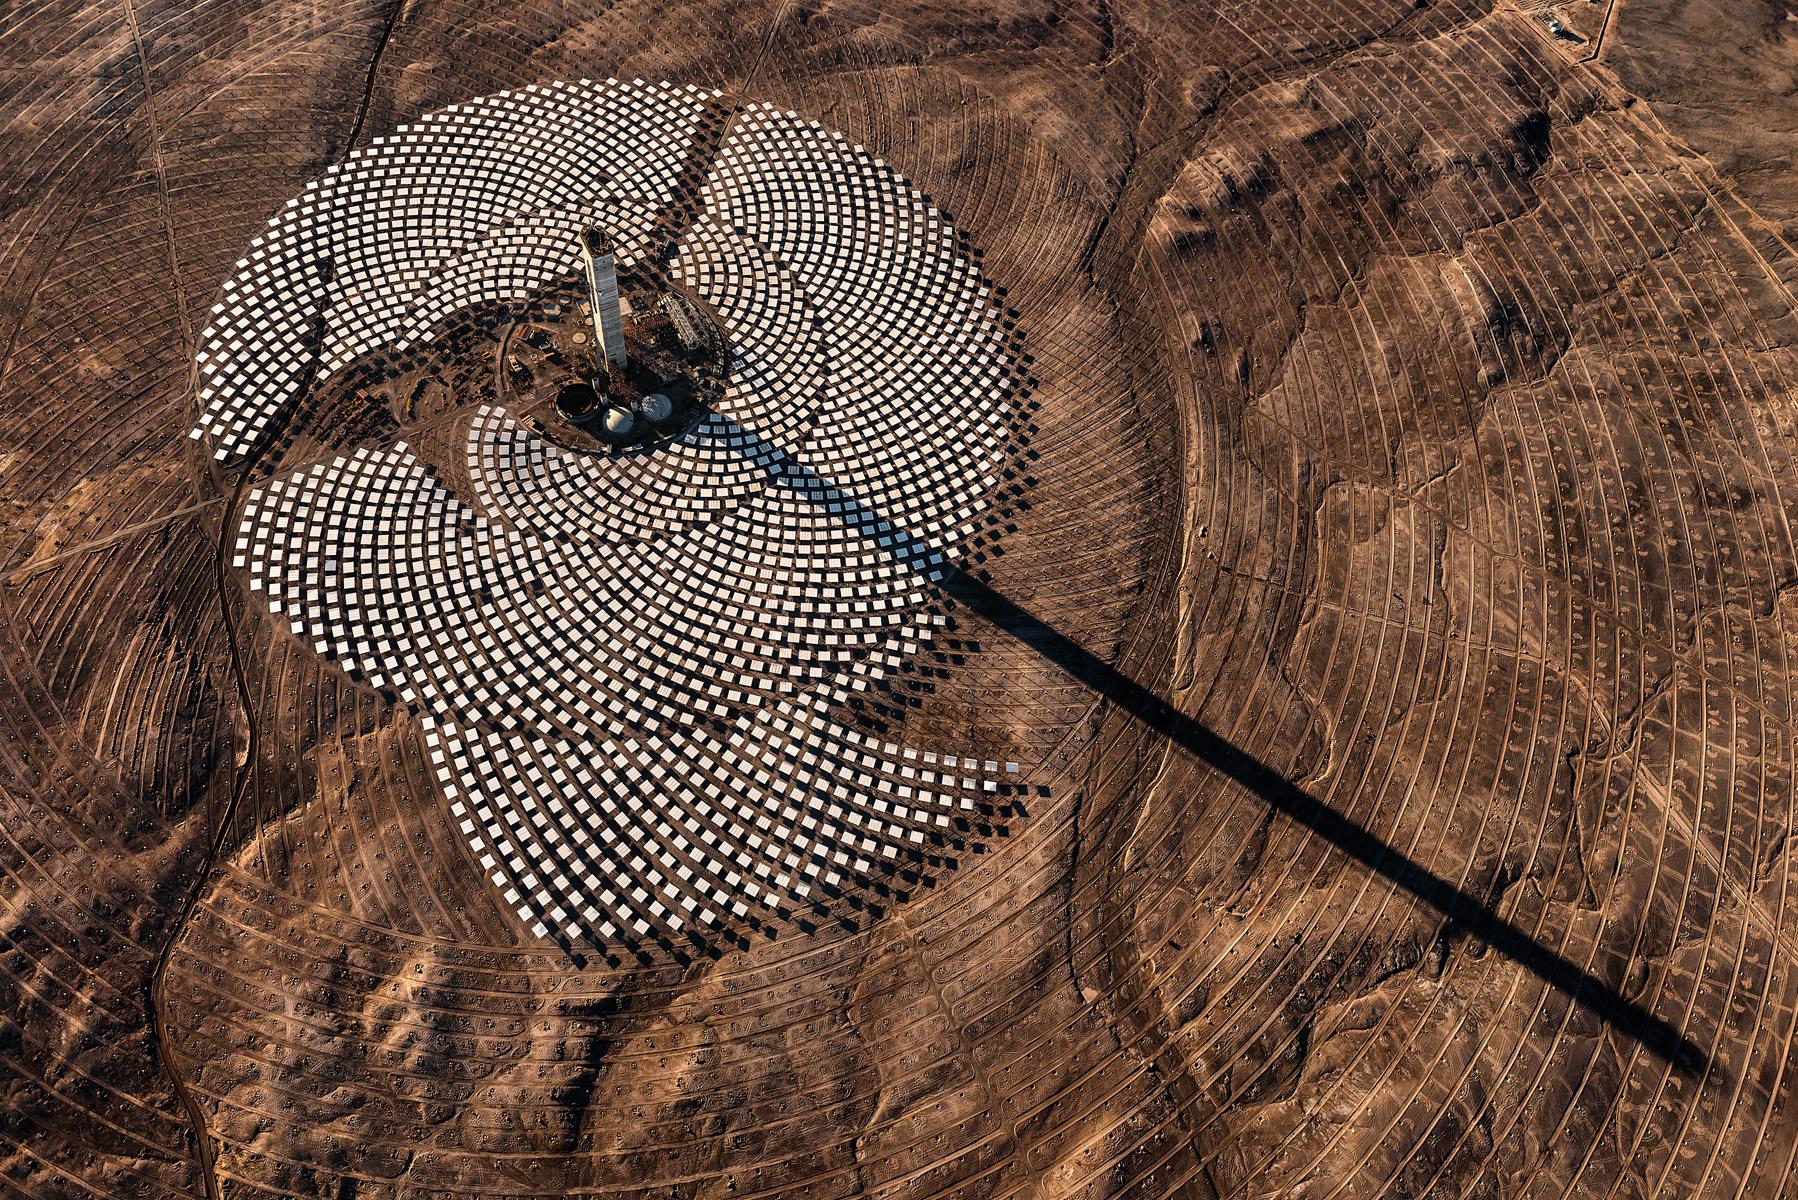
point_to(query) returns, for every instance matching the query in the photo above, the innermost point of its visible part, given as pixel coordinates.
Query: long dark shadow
(1463, 910)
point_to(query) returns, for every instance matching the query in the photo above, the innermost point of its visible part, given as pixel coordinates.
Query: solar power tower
(602, 291)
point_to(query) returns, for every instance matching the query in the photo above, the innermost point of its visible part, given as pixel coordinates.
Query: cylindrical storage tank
(620, 423)
(578, 402)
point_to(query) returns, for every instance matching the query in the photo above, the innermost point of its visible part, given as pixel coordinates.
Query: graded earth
(1176, 599)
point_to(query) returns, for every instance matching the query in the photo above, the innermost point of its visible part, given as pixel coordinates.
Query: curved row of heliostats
(627, 666)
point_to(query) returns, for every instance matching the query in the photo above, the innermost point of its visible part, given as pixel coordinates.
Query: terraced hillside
(1231, 632)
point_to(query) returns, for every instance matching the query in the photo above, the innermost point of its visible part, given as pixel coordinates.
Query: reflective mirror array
(1340, 455)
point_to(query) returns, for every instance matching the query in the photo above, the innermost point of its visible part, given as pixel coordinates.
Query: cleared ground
(1390, 610)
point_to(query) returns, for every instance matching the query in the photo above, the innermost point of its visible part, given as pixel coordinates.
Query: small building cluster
(632, 399)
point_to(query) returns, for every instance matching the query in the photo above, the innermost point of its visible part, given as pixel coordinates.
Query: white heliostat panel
(629, 667)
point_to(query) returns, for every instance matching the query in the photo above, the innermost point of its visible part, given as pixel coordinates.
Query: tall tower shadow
(1464, 912)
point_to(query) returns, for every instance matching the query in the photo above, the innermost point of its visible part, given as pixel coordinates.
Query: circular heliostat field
(626, 668)
(1210, 614)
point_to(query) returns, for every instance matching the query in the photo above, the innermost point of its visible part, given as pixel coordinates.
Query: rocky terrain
(1394, 617)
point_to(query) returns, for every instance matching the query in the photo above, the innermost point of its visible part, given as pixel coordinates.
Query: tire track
(167, 1056)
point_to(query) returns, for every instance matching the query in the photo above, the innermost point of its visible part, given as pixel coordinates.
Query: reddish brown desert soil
(1406, 692)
